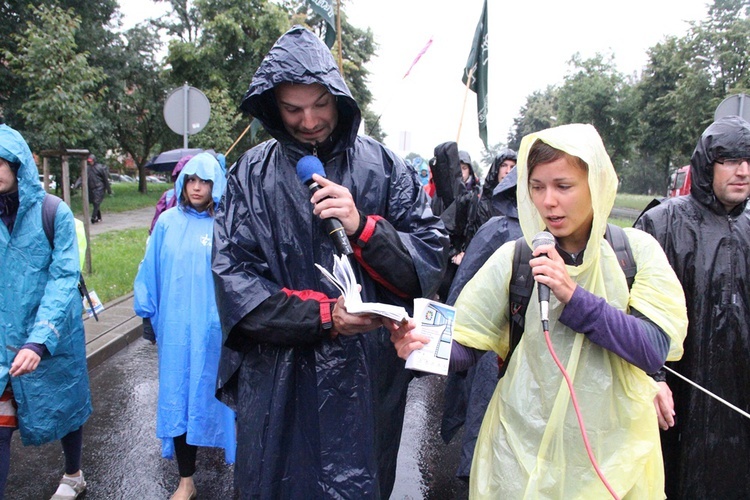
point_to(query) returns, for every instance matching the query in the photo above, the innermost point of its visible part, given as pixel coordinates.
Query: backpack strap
(522, 281)
(617, 238)
(521, 286)
(49, 210)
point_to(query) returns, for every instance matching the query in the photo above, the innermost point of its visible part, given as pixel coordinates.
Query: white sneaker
(70, 488)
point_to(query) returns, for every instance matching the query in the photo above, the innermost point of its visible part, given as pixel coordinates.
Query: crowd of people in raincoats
(259, 356)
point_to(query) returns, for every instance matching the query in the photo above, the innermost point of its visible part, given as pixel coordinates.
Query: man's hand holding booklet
(432, 318)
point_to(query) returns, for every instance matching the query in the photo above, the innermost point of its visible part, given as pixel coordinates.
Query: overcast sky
(531, 43)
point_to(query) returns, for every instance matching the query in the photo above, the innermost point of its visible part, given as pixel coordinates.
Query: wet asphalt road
(122, 457)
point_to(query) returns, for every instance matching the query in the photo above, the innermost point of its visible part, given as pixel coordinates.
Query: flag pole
(466, 94)
(338, 36)
(239, 138)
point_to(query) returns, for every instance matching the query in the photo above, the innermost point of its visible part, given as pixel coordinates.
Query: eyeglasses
(732, 162)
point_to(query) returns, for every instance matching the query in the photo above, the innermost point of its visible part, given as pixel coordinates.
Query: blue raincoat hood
(13, 148)
(504, 195)
(207, 167)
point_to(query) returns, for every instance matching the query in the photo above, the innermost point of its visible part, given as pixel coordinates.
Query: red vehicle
(679, 182)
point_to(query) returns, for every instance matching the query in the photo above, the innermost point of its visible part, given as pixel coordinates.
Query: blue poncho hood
(207, 167)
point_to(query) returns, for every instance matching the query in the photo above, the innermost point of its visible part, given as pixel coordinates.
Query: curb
(118, 326)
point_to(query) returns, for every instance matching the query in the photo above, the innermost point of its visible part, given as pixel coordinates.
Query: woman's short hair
(541, 152)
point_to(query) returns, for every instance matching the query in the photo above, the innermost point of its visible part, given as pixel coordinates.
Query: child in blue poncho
(175, 290)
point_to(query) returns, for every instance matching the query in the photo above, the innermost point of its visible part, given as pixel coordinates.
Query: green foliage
(61, 104)
(134, 104)
(219, 132)
(539, 113)
(114, 262)
(633, 201)
(595, 92)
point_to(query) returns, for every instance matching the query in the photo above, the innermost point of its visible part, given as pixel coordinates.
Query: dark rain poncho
(468, 393)
(706, 453)
(98, 183)
(317, 418)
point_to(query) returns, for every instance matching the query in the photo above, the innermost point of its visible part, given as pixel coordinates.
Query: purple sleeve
(161, 206)
(635, 339)
(39, 349)
(463, 358)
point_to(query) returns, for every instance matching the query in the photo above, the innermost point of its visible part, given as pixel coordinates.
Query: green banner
(478, 67)
(324, 8)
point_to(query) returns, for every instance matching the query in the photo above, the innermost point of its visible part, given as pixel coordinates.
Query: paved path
(132, 219)
(118, 325)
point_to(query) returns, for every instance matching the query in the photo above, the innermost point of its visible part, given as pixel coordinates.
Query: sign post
(737, 104)
(186, 111)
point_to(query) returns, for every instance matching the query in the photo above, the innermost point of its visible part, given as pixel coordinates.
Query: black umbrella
(166, 161)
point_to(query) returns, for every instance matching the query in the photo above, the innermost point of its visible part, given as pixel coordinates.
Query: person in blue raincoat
(43, 348)
(175, 290)
(319, 393)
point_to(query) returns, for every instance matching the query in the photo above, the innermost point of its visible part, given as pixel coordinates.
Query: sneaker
(70, 488)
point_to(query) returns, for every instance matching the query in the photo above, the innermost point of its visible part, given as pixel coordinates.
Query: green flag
(324, 8)
(478, 67)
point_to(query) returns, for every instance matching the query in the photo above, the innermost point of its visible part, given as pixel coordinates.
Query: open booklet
(343, 278)
(432, 318)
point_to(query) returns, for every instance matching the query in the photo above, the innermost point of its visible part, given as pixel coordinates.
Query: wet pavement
(121, 454)
(122, 457)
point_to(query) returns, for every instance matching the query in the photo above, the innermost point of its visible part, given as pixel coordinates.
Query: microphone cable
(577, 409)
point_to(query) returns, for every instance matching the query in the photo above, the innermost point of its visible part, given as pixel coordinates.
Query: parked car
(154, 179)
(679, 182)
(120, 178)
(52, 183)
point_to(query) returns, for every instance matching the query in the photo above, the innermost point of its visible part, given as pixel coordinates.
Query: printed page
(435, 320)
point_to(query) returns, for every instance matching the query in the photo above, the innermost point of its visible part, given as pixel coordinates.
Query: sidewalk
(118, 325)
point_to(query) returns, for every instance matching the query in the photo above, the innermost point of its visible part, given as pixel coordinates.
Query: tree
(539, 113)
(135, 102)
(596, 93)
(92, 33)
(61, 105)
(228, 40)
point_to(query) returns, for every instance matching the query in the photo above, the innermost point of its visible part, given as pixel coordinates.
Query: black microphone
(306, 167)
(543, 238)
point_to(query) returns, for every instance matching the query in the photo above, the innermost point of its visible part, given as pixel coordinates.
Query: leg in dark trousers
(185, 454)
(5, 434)
(72, 445)
(96, 215)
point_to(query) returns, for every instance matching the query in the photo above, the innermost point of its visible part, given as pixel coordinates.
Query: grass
(115, 258)
(634, 201)
(126, 197)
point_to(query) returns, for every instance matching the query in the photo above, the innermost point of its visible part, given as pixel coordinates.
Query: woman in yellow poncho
(607, 337)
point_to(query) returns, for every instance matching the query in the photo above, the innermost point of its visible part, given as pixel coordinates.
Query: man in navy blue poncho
(319, 393)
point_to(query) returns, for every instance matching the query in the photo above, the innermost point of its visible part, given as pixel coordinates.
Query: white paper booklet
(98, 306)
(344, 279)
(435, 320)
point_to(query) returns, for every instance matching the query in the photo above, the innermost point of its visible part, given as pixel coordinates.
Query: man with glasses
(706, 236)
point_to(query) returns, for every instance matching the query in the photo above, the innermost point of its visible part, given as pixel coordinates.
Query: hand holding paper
(343, 278)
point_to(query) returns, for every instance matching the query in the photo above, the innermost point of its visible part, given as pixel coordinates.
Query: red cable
(579, 417)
